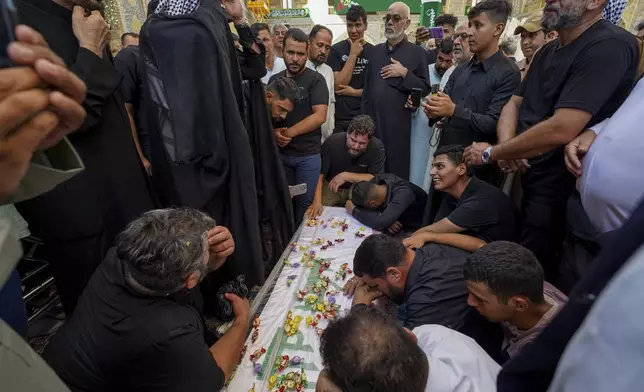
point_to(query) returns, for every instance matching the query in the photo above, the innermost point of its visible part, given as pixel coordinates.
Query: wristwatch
(487, 154)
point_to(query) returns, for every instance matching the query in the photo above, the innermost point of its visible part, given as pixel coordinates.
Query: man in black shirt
(566, 90)
(137, 326)
(427, 282)
(477, 91)
(347, 158)
(299, 135)
(126, 62)
(348, 59)
(480, 211)
(395, 68)
(388, 203)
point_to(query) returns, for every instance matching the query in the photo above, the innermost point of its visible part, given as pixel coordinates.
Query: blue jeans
(300, 170)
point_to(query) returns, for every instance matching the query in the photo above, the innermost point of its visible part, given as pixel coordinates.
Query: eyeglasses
(397, 18)
(462, 36)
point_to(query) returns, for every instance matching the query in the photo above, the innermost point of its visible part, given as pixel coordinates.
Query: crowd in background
(507, 193)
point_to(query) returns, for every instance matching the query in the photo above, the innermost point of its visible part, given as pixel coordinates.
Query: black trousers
(543, 215)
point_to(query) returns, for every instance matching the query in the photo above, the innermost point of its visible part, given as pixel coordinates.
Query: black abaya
(384, 100)
(79, 219)
(200, 148)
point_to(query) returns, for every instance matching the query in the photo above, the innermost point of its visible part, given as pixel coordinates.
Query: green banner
(288, 13)
(429, 11)
(341, 6)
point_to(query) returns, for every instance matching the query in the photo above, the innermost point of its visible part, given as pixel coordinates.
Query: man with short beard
(299, 135)
(319, 46)
(427, 282)
(79, 221)
(395, 68)
(347, 158)
(462, 53)
(559, 98)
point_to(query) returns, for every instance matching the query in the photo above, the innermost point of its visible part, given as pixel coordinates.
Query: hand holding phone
(416, 95)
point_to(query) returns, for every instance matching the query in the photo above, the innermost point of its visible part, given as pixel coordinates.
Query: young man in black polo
(349, 63)
(347, 158)
(388, 203)
(299, 135)
(470, 206)
(567, 89)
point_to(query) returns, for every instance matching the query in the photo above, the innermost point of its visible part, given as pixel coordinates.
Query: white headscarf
(176, 7)
(614, 10)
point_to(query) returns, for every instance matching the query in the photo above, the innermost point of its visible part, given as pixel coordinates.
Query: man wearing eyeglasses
(395, 68)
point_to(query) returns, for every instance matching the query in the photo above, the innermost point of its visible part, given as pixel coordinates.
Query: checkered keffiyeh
(176, 7)
(614, 10)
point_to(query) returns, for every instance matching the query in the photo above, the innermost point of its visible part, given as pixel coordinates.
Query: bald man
(395, 68)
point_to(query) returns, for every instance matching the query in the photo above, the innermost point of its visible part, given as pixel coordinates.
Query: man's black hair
(362, 125)
(283, 88)
(369, 351)
(152, 6)
(128, 34)
(453, 151)
(497, 10)
(355, 13)
(377, 253)
(447, 19)
(508, 270)
(445, 46)
(257, 27)
(640, 26)
(362, 192)
(296, 35)
(316, 29)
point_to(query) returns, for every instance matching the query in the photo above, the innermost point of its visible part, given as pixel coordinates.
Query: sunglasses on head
(397, 18)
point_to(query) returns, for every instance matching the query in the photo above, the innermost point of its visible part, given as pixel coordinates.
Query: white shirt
(456, 362)
(606, 352)
(278, 66)
(612, 183)
(327, 73)
(446, 76)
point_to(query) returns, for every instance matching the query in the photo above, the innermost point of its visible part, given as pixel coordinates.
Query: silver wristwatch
(487, 154)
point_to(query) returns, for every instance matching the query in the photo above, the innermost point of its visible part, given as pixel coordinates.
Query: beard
(555, 18)
(396, 295)
(394, 35)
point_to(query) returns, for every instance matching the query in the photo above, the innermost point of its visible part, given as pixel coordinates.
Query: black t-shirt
(346, 108)
(336, 159)
(312, 91)
(435, 291)
(483, 210)
(118, 340)
(594, 73)
(127, 62)
(405, 203)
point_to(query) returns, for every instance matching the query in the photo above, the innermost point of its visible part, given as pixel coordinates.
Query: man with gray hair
(137, 326)
(279, 32)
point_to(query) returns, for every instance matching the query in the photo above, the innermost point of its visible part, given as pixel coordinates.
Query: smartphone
(297, 190)
(8, 22)
(435, 32)
(435, 88)
(416, 95)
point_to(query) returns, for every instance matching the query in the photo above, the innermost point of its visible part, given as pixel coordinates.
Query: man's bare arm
(442, 226)
(460, 241)
(356, 177)
(558, 130)
(129, 108)
(309, 124)
(344, 76)
(506, 128)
